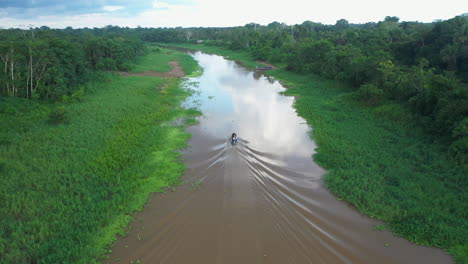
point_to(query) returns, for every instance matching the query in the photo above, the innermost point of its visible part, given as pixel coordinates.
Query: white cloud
(161, 5)
(112, 8)
(216, 13)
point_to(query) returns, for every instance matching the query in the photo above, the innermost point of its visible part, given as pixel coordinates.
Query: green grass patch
(378, 160)
(189, 65)
(67, 188)
(155, 60)
(158, 58)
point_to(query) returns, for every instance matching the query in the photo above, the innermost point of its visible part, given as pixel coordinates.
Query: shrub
(125, 66)
(394, 112)
(460, 146)
(460, 150)
(64, 99)
(78, 95)
(4, 140)
(370, 94)
(58, 115)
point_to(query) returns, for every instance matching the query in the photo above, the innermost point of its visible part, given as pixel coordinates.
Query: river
(260, 201)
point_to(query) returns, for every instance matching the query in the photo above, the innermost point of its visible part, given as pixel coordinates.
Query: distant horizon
(188, 27)
(60, 14)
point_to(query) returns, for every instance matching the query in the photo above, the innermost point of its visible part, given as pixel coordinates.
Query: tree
(392, 19)
(341, 24)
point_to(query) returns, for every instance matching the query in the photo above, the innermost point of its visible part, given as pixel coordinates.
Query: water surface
(260, 201)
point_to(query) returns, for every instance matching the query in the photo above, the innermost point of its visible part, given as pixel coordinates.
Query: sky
(217, 13)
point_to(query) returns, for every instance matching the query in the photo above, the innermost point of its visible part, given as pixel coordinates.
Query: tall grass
(378, 160)
(157, 60)
(67, 188)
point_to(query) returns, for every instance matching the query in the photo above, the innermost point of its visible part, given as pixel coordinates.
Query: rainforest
(352, 145)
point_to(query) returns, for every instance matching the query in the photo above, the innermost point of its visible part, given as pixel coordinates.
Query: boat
(233, 141)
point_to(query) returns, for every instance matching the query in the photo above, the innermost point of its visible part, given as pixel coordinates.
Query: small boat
(263, 68)
(233, 141)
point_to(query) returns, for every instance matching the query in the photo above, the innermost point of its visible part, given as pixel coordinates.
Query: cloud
(37, 8)
(29, 3)
(215, 13)
(161, 5)
(112, 8)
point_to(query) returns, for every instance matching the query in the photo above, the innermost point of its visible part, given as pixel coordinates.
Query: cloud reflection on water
(237, 100)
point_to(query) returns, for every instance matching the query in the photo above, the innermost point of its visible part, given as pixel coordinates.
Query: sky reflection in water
(238, 100)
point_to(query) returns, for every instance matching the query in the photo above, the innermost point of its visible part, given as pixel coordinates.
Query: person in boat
(234, 138)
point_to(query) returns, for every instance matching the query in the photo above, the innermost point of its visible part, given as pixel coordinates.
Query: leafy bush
(58, 115)
(460, 147)
(4, 140)
(393, 112)
(370, 94)
(460, 150)
(78, 95)
(2, 165)
(125, 66)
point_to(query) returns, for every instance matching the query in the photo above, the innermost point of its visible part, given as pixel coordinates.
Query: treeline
(417, 68)
(45, 63)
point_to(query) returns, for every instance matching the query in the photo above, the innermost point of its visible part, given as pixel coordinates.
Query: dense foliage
(45, 63)
(410, 74)
(66, 190)
(421, 67)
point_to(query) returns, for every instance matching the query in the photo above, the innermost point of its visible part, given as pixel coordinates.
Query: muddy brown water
(260, 201)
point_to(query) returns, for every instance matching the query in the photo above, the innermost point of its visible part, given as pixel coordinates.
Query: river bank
(386, 167)
(74, 172)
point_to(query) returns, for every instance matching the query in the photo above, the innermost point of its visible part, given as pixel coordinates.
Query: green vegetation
(50, 64)
(157, 60)
(379, 160)
(394, 138)
(188, 64)
(419, 66)
(73, 172)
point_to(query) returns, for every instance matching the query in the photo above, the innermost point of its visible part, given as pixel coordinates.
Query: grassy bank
(70, 181)
(380, 161)
(157, 59)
